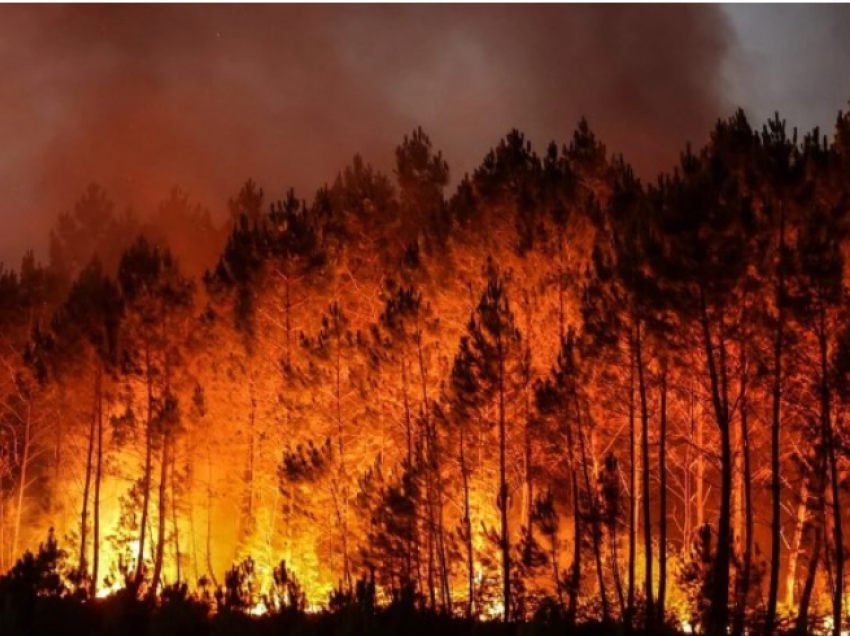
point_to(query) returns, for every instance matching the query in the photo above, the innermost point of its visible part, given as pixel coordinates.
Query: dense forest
(556, 394)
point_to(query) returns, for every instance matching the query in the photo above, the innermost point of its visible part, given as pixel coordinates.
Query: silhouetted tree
(158, 301)
(706, 240)
(492, 350)
(87, 326)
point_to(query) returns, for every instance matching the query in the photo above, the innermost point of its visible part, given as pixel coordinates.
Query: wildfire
(493, 611)
(259, 609)
(112, 561)
(108, 590)
(322, 433)
(828, 624)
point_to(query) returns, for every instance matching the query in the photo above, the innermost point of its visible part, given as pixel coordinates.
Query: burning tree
(351, 390)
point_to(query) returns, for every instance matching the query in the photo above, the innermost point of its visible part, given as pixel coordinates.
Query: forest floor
(186, 617)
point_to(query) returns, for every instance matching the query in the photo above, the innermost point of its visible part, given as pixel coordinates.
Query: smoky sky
(143, 98)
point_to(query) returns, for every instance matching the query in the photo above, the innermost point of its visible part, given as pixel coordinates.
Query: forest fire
(559, 394)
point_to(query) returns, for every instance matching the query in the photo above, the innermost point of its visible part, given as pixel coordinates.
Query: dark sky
(140, 98)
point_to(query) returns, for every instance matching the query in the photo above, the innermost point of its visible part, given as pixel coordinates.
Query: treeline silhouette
(559, 397)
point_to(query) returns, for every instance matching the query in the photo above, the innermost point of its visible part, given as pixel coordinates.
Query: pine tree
(507, 183)
(422, 176)
(820, 302)
(492, 350)
(92, 229)
(704, 252)
(401, 347)
(260, 288)
(30, 295)
(461, 412)
(560, 397)
(87, 325)
(158, 301)
(336, 374)
(779, 172)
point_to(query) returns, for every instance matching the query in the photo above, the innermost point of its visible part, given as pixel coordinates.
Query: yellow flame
(828, 624)
(493, 611)
(258, 609)
(107, 591)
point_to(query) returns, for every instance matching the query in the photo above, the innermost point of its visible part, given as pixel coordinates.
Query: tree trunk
(700, 480)
(445, 590)
(210, 569)
(25, 458)
(737, 495)
(432, 589)
(412, 531)
(191, 484)
(647, 512)
(140, 560)
(834, 477)
(528, 494)
(748, 494)
(435, 519)
(775, 477)
(504, 539)
(2, 527)
(98, 478)
(174, 522)
(575, 570)
(662, 467)
(719, 613)
(162, 516)
(615, 567)
(719, 599)
(467, 525)
(802, 622)
(594, 515)
(247, 517)
(633, 499)
(25, 462)
(342, 513)
(796, 543)
(84, 517)
(746, 571)
(838, 591)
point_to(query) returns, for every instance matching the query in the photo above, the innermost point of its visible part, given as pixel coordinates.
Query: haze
(141, 98)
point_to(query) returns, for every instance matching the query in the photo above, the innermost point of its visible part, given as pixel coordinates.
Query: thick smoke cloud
(140, 98)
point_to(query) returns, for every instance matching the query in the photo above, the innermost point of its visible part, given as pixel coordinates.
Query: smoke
(792, 59)
(141, 98)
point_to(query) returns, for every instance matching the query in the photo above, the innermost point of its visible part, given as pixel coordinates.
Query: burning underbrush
(44, 594)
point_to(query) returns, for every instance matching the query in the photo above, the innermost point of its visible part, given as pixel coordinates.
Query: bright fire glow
(828, 625)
